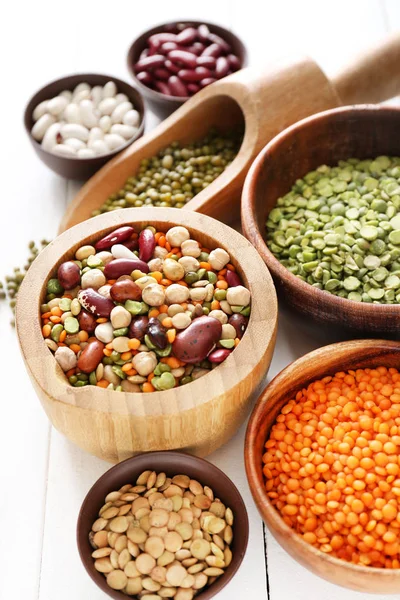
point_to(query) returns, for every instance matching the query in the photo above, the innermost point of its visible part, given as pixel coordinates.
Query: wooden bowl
(162, 104)
(324, 361)
(198, 417)
(171, 463)
(71, 167)
(363, 131)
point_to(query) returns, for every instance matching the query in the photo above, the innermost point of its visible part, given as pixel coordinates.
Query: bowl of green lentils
(321, 204)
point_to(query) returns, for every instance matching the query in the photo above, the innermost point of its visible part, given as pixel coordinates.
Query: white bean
(50, 137)
(66, 94)
(80, 87)
(96, 94)
(64, 150)
(95, 134)
(87, 114)
(72, 114)
(132, 118)
(121, 98)
(126, 131)
(121, 251)
(86, 153)
(40, 110)
(83, 95)
(41, 126)
(105, 123)
(119, 111)
(109, 90)
(99, 147)
(57, 105)
(113, 140)
(107, 105)
(75, 130)
(75, 143)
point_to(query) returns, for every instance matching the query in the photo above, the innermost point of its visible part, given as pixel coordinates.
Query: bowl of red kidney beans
(173, 61)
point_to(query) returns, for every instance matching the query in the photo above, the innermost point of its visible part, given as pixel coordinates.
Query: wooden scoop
(266, 102)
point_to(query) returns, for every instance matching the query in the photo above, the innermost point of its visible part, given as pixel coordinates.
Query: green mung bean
(338, 229)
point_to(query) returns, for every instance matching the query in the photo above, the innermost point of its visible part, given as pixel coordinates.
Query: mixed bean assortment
(177, 173)
(338, 229)
(144, 311)
(162, 538)
(332, 465)
(182, 59)
(87, 122)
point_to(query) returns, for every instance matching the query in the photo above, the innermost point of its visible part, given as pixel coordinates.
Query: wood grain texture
(198, 418)
(365, 131)
(324, 361)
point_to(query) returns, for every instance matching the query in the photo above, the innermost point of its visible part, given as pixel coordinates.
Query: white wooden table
(43, 476)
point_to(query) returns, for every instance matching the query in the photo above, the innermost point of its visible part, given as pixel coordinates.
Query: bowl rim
(253, 233)
(252, 465)
(241, 363)
(139, 106)
(149, 459)
(177, 100)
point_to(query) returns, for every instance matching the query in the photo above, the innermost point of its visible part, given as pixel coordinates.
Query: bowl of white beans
(79, 122)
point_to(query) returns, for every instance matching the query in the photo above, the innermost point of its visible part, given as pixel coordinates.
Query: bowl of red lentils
(322, 459)
(141, 331)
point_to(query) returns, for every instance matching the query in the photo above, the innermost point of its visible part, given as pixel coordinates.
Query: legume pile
(338, 229)
(146, 311)
(163, 537)
(332, 465)
(177, 173)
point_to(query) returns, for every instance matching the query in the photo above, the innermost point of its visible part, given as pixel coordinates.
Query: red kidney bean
(122, 234)
(132, 244)
(232, 279)
(203, 72)
(222, 67)
(124, 266)
(171, 67)
(91, 356)
(157, 333)
(163, 88)
(125, 290)
(195, 342)
(144, 77)
(177, 87)
(187, 36)
(203, 32)
(196, 48)
(219, 355)
(150, 62)
(182, 57)
(206, 61)
(160, 38)
(87, 322)
(189, 75)
(144, 53)
(214, 50)
(162, 74)
(138, 327)
(69, 275)
(147, 243)
(95, 303)
(207, 81)
(193, 88)
(168, 46)
(239, 322)
(234, 62)
(216, 39)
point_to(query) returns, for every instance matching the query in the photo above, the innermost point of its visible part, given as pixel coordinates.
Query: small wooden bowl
(171, 463)
(162, 104)
(71, 167)
(363, 131)
(198, 417)
(324, 361)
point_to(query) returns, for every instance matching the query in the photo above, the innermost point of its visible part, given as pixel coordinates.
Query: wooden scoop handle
(373, 76)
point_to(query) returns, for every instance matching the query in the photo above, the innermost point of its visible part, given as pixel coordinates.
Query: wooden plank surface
(44, 477)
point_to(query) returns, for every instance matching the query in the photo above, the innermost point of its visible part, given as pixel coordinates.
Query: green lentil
(338, 229)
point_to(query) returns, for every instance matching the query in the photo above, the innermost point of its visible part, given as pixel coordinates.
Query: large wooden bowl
(312, 366)
(363, 131)
(198, 417)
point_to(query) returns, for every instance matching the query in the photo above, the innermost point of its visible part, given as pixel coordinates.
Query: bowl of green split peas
(321, 204)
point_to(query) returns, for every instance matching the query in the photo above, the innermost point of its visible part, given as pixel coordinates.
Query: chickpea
(189, 263)
(153, 294)
(175, 294)
(238, 296)
(191, 248)
(173, 270)
(177, 235)
(219, 315)
(144, 363)
(218, 258)
(93, 279)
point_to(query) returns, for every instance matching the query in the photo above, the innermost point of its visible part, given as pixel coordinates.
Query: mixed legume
(339, 229)
(332, 465)
(163, 537)
(176, 174)
(146, 311)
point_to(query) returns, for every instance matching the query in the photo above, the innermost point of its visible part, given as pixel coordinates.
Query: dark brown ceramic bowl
(171, 463)
(363, 131)
(70, 167)
(161, 104)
